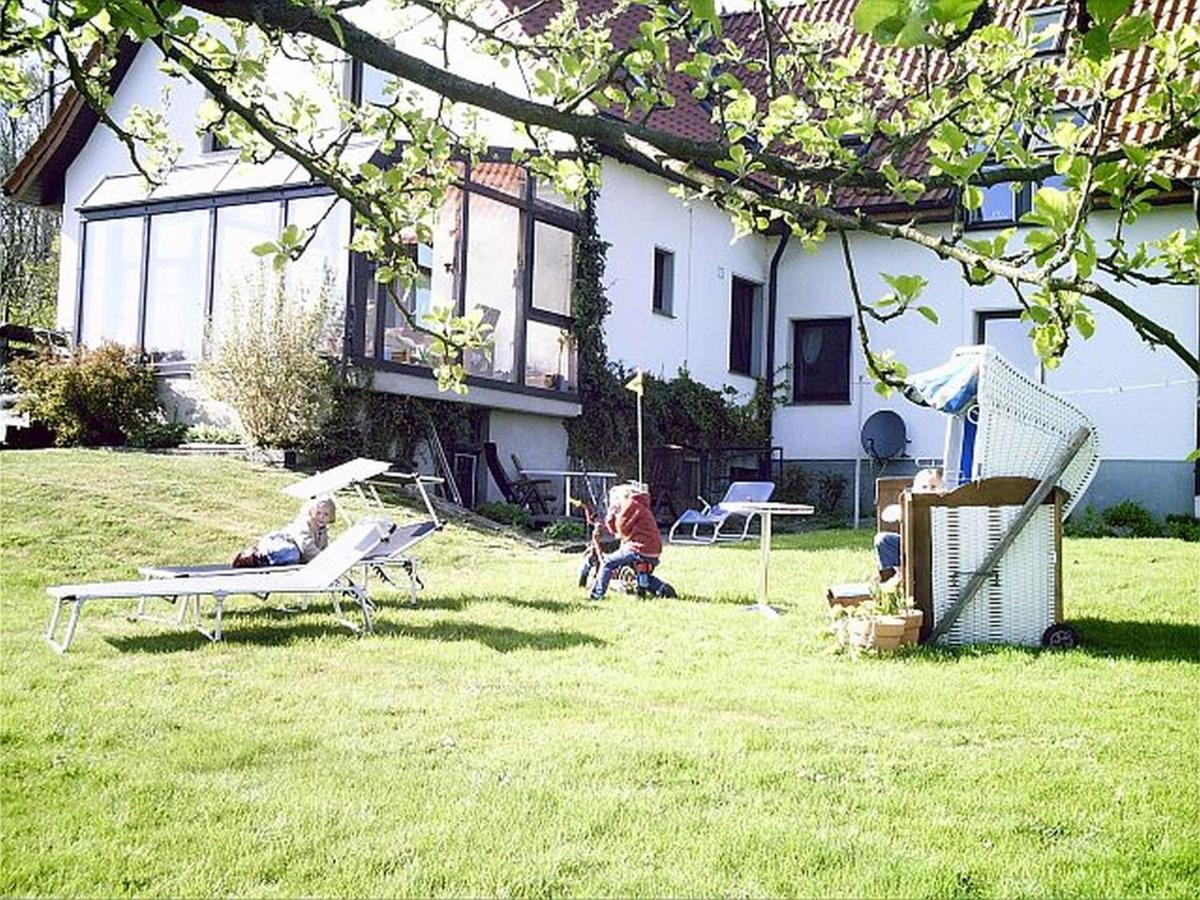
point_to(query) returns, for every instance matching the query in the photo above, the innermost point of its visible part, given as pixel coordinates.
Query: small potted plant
(886, 621)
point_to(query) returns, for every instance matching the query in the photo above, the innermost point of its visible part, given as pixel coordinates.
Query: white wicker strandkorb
(1021, 427)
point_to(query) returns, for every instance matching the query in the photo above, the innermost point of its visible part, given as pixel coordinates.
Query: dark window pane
(741, 327)
(664, 281)
(821, 360)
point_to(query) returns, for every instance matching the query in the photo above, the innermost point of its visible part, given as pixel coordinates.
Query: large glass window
(549, 357)
(821, 361)
(112, 276)
(321, 272)
(237, 272)
(553, 268)
(175, 286)
(501, 254)
(495, 269)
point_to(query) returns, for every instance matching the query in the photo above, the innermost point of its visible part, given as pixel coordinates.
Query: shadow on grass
(1139, 640)
(1101, 638)
(502, 640)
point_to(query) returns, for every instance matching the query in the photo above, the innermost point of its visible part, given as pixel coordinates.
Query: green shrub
(1086, 523)
(100, 397)
(267, 362)
(506, 514)
(211, 434)
(158, 435)
(794, 486)
(831, 490)
(1182, 528)
(1130, 519)
(565, 530)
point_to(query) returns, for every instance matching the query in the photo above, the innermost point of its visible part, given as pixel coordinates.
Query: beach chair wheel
(1060, 637)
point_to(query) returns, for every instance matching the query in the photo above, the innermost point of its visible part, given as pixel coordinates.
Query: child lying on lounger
(302, 539)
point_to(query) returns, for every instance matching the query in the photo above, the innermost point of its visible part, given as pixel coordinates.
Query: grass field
(508, 738)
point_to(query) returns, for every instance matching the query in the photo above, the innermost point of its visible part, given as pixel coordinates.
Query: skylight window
(1047, 29)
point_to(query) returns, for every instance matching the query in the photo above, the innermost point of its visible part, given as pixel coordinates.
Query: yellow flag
(635, 384)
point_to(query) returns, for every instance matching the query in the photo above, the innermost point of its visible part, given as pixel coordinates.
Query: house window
(1002, 205)
(112, 274)
(367, 85)
(502, 248)
(745, 327)
(237, 273)
(175, 288)
(663, 297)
(1046, 27)
(821, 360)
(319, 275)
(1004, 330)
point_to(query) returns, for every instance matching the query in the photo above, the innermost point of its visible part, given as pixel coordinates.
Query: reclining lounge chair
(392, 552)
(716, 516)
(325, 574)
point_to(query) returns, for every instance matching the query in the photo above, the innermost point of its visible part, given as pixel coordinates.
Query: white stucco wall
(540, 442)
(635, 214)
(1154, 423)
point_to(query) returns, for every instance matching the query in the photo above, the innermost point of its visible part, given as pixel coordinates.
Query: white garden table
(765, 511)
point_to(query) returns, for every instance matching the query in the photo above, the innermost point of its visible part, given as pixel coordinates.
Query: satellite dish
(884, 435)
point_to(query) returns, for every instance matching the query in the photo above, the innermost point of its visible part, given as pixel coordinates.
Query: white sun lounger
(325, 574)
(392, 552)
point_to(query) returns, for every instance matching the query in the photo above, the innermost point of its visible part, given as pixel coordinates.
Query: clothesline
(1120, 389)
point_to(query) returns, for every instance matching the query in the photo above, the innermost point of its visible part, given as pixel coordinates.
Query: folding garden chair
(716, 516)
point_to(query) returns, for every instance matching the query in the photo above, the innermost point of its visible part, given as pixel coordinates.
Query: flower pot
(889, 632)
(876, 632)
(912, 626)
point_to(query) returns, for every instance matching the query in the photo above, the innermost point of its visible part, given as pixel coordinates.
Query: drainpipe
(772, 303)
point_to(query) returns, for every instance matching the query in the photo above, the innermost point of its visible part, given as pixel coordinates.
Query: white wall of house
(1137, 423)
(636, 213)
(540, 442)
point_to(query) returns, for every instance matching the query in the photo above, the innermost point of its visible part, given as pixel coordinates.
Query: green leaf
(869, 14)
(265, 249)
(1095, 43)
(928, 313)
(1194, 456)
(1105, 12)
(705, 10)
(1132, 33)
(956, 12)
(1086, 323)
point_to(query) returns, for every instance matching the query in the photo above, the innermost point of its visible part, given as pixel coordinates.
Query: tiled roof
(689, 118)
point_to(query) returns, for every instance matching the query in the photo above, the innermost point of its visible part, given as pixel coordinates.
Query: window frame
(664, 292)
(755, 301)
(146, 211)
(824, 399)
(1060, 10)
(533, 210)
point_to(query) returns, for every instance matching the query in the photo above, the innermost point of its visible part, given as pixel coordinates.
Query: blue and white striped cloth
(950, 387)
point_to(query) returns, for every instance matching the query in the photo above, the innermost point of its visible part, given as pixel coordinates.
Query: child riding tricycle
(631, 520)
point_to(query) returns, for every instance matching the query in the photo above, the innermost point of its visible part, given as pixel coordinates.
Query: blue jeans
(613, 562)
(887, 549)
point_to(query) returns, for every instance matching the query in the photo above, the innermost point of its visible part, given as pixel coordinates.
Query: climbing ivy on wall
(677, 411)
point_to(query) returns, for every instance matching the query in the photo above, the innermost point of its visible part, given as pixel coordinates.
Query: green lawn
(508, 738)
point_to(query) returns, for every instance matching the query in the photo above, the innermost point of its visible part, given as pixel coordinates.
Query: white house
(147, 268)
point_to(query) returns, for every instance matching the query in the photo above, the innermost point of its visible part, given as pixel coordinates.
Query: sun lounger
(392, 552)
(325, 574)
(716, 516)
(350, 478)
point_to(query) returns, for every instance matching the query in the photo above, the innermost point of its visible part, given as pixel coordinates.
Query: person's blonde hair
(317, 503)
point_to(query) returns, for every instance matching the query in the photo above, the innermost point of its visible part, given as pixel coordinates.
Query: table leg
(764, 567)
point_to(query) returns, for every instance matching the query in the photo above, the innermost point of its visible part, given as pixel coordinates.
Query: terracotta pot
(889, 632)
(912, 626)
